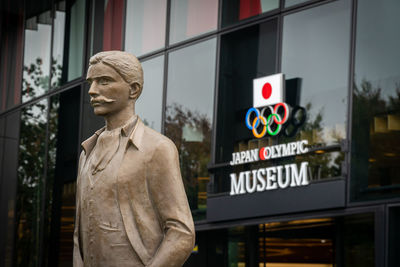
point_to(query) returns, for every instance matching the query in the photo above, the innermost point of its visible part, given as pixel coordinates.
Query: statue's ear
(134, 90)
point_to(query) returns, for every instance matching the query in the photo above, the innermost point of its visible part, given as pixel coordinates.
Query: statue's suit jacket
(152, 199)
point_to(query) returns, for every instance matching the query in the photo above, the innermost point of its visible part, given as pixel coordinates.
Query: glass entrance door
(297, 243)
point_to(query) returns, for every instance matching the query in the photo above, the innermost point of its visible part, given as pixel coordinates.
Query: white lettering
(242, 156)
(251, 188)
(293, 148)
(286, 150)
(298, 148)
(303, 148)
(299, 177)
(261, 180)
(254, 155)
(278, 150)
(232, 162)
(237, 185)
(237, 161)
(267, 152)
(271, 178)
(273, 155)
(270, 152)
(283, 183)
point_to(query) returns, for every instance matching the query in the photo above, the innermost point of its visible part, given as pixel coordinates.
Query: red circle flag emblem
(267, 90)
(261, 153)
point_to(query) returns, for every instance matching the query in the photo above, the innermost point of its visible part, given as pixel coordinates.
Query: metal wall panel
(316, 196)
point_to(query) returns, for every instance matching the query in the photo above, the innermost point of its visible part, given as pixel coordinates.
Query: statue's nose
(93, 89)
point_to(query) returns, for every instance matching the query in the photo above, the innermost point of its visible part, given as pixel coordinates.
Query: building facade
(312, 179)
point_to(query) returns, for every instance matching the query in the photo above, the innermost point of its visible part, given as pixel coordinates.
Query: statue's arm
(77, 257)
(170, 201)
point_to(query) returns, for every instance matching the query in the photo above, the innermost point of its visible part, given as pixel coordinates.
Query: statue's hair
(124, 63)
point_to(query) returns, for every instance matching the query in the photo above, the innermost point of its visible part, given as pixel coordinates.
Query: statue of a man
(131, 206)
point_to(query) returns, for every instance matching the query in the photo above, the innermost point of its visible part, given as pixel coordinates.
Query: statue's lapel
(89, 143)
(136, 136)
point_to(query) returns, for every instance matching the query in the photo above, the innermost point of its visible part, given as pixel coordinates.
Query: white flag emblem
(268, 90)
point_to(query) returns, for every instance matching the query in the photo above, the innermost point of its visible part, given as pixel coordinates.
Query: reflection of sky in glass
(316, 48)
(37, 45)
(149, 104)
(377, 44)
(59, 29)
(289, 3)
(58, 42)
(76, 35)
(191, 76)
(267, 5)
(145, 25)
(192, 17)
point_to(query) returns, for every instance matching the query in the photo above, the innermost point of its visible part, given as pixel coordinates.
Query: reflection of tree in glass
(367, 100)
(32, 162)
(194, 154)
(51, 166)
(30, 180)
(394, 102)
(323, 164)
(376, 137)
(56, 73)
(35, 82)
(313, 128)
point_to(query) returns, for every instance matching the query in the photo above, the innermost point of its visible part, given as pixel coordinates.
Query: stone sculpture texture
(131, 206)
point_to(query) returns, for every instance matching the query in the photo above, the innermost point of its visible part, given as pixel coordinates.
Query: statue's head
(116, 81)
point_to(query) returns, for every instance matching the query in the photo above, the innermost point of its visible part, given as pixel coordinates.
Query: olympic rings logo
(274, 117)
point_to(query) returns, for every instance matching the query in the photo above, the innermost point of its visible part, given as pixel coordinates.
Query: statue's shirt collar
(132, 128)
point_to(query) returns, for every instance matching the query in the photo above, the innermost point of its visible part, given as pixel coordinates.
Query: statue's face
(109, 93)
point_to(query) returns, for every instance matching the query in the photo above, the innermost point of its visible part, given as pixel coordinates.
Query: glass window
(192, 17)
(64, 33)
(2, 129)
(237, 10)
(8, 177)
(394, 237)
(358, 232)
(376, 102)
(238, 245)
(317, 242)
(289, 3)
(67, 65)
(36, 55)
(113, 23)
(62, 158)
(149, 104)
(315, 58)
(67, 224)
(189, 116)
(30, 189)
(53, 126)
(315, 52)
(11, 48)
(245, 55)
(145, 25)
(107, 22)
(288, 243)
